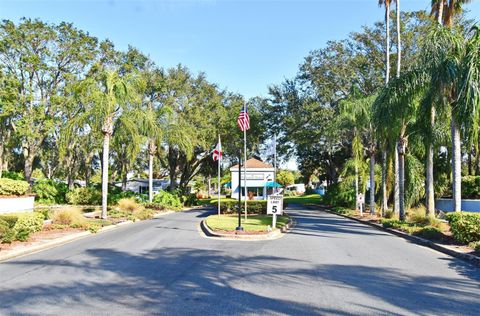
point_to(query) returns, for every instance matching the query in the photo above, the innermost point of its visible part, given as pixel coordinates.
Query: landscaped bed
(460, 230)
(255, 224)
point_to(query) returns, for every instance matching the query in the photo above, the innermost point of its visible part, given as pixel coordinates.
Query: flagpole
(245, 166)
(219, 188)
(275, 163)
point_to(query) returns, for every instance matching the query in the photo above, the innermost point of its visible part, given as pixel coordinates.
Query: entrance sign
(275, 204)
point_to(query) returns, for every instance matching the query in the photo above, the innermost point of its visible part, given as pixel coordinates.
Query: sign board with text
(275, 204)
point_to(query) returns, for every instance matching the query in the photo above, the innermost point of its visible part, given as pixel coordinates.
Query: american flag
(217, 152)
(243, 120)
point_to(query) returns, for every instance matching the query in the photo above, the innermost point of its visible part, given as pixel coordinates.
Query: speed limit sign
(275, 204)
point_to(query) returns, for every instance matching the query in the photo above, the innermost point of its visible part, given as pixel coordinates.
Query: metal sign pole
(239, 227)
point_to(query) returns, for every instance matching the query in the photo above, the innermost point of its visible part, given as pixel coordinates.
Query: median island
(254, 225)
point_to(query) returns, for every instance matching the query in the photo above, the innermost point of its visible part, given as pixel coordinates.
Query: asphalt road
(326, 265)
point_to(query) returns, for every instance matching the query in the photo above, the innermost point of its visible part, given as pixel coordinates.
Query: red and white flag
(243, 120)
(217, 152)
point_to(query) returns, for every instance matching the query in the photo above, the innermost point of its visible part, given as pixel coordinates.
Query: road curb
(67, 239)
(276, 234)
(475, 260)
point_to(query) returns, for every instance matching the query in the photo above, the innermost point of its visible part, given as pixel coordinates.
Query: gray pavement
(326, 265)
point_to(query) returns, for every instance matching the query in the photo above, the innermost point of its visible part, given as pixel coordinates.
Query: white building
(259, 179)
(141, 185)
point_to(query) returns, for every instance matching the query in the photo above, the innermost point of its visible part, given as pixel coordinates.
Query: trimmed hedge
(254, 207)
(465, 226)
(13, 187)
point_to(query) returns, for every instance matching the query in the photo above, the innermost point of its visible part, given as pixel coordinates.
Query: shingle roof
(253, 163)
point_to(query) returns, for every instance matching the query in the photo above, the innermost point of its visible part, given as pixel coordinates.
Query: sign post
(275, 207)
(360, 200)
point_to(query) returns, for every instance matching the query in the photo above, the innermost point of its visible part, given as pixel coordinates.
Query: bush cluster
(49, 191)
(84, 196)
(433, 231)
(465, 226)
(19, 227)
(340, 195)
(167, 200)
(471, 187)
(13, 187)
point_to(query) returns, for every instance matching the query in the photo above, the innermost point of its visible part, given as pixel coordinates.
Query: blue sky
(243, 46)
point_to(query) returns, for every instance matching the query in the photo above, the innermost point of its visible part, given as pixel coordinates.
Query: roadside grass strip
(254, 223)
(304, 199)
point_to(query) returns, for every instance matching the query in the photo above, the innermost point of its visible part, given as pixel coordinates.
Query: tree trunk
(88, 168)
(387, 46)
(384, 182)
(2, 150)
(29, 155)
(124, 178)
(396, 190)
(372, 182)
(356, 186)
(106, 147)
(401, 174)
(107, 130)
(429, 188)
(456, 167)
(399, 42)
(152, 149)
(440, 11)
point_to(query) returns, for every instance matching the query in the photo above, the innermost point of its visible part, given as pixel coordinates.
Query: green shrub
(471, 187)
(465, 226)
(5, 229)
(430, 232)
(13, 175)
(390, 223)
(190, 200)
(340, 194)
(167, 200)
(11, 219)
(13, 187)
(44, 211)
(50, 191)
(254, 207)
(84, 196)
(27, 223)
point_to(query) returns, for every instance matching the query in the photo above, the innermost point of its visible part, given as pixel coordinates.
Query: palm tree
(357, 112)
(394, 113)
(450, 9)
(386, 3)
(106, 97)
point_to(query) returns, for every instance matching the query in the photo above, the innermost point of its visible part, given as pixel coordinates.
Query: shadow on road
(173, 281)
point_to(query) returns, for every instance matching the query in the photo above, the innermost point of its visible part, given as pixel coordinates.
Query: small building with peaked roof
(260, 177)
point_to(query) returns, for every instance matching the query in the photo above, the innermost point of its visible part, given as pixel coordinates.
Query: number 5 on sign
(275, 204)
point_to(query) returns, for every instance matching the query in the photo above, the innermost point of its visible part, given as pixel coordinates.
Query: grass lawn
(254, 223)
(304, 199)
